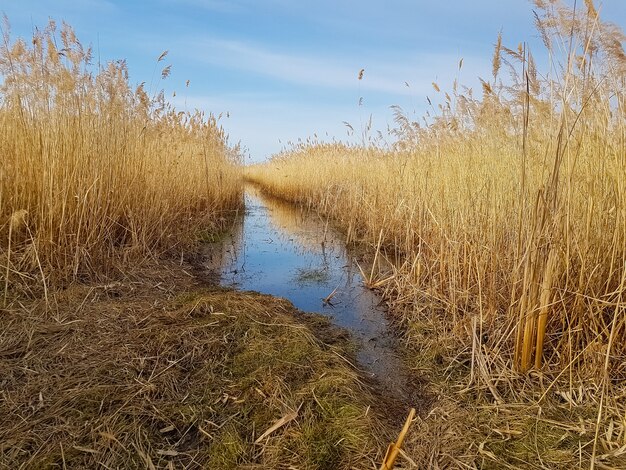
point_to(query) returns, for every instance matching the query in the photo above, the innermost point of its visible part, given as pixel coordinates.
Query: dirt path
(163, 370)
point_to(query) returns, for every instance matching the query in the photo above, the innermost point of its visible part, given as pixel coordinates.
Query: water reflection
(279, 249)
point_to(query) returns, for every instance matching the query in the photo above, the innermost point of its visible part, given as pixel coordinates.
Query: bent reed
(95, 171)
(506, 217)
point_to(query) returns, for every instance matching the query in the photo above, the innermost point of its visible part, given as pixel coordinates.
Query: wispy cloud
(294, 114)
(381, 75)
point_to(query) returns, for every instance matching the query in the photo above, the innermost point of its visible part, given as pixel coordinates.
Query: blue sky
(284, 69)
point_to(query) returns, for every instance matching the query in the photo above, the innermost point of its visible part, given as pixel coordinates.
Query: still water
(278, 248)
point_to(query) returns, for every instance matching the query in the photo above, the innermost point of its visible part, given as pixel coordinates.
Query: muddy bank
(160, 370)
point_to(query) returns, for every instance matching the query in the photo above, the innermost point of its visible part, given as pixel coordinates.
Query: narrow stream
(279, 249)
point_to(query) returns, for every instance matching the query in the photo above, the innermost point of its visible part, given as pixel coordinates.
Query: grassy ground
(160, 370)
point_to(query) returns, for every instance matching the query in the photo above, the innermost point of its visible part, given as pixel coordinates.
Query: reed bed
(94, 170)
(505, 214)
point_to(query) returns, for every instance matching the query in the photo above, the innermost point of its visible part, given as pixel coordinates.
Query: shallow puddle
(279, 249)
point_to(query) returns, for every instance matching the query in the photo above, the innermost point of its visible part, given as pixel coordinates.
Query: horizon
(280, 73)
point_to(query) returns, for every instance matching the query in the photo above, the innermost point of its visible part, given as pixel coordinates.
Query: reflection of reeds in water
(226, 254)
(309, 231)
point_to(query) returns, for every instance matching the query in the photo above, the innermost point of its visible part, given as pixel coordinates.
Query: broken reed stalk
(16, 221)
(327, 300)
(279, 424)
(6, 276)
(394, 448)
(545, 300)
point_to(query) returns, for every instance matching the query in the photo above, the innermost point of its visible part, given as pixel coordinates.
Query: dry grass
(95, 171)
(507, 214)
(158, 371)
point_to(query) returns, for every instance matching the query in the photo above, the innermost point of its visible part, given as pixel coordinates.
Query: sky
(286, 70)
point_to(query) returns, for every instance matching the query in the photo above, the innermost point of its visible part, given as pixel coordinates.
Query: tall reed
(94, 170)
(509, 208)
